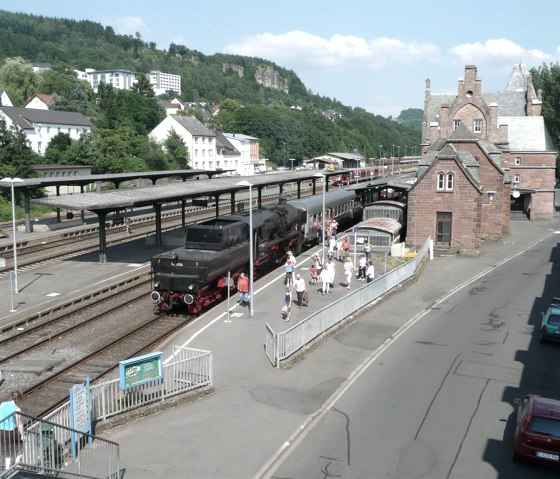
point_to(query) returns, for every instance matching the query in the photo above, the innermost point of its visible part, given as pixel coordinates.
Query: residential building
(117, 78)
(227, 156)
(199, 139)
(163, 82)
(484, 157)
(249, 148)
(40, 126)
(5, 99)
(40, 101)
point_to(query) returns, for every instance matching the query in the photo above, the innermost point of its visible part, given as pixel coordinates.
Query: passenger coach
(339, 204)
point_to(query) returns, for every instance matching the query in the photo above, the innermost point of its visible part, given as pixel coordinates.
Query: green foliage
(547, 79)
(16, 158)
(176, 151)
(18, 79)
(228, 82)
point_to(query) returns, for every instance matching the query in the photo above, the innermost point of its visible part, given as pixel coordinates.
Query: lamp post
(322, 239)
(381, 161)
(292, 161)
(11, 182)
(252, 293)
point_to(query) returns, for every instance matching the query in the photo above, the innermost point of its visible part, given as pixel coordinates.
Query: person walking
(299, 285)
(314, 274)
(289, 268)
(362, 265)
(12, 433)
(325, 278)
(348, 271)
(243, 288)
(332, 246)
(287, 306)
(331, 268)
(370, 272)
(338, 249)
(318, 262)
(345, 249)
(367, 249)
(333, 226)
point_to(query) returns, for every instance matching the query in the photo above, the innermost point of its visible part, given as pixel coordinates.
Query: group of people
(323, 273)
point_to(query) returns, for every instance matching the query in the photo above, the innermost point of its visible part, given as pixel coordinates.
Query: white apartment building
(40, 126)
(119, 79)
(163, 82)
(199, 139)
(248, 147)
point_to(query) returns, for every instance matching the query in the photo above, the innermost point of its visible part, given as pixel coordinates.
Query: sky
(370, 54)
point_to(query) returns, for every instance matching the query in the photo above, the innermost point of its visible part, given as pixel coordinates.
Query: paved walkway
(256, 409)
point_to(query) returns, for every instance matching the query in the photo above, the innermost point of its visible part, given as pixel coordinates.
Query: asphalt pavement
(257, 411)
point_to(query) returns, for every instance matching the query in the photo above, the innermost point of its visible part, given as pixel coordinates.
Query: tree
(143, 86)
(16, 158)
(18, 79)
(176, 151)
(56, 149)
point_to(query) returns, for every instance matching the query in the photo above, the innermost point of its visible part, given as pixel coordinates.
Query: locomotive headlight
(191, 287)
(156, 285)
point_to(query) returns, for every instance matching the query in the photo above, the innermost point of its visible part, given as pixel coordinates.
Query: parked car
(537, 432)
(550, 324)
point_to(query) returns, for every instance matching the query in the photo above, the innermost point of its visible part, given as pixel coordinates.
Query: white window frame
(478, 125)
(518, 161)
(456, 124)
(449, 181)
(441, 181)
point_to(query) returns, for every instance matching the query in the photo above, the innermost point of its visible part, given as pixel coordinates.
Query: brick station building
(485, 157)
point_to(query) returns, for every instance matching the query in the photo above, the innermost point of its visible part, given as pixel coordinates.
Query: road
(438, 403)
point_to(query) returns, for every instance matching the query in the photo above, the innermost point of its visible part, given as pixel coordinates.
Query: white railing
(280, 346)
(190, 369)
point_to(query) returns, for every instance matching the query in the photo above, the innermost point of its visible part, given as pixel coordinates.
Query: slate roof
(527, 133)
(223, 142)
(194, 126)
(26, 118)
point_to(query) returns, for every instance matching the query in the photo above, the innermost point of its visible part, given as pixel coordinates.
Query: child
(314, 275)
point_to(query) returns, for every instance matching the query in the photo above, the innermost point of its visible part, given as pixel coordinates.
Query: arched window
(449, 182)
(441, 181)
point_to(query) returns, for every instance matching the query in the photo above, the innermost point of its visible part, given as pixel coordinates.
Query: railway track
(88, 342)
(31, 256)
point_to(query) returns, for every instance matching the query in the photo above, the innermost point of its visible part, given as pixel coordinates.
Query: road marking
(311, 421)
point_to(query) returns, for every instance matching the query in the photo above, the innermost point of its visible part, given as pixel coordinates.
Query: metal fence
(280, 346)
(189, 369)
(52, 449)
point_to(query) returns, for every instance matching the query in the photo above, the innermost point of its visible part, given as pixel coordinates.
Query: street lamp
(324, 178)
(292, 160)
(252, 293)
(11, 182)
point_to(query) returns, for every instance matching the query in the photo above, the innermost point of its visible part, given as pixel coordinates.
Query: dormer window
(456, 124)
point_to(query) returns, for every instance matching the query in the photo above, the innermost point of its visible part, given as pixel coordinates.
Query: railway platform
(257, 411)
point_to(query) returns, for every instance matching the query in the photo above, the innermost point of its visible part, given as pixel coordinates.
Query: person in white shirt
(332, 246)
(339, 249)
(348, 271)
(370, 272)
(299, 285)
(362, 265)
(325, 278)
(330, 267)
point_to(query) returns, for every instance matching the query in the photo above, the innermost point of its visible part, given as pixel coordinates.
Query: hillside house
(40, 126)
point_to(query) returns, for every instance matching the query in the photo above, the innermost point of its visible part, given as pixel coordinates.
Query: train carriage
(339, 204)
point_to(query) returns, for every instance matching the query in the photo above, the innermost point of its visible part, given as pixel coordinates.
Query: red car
(537, 432)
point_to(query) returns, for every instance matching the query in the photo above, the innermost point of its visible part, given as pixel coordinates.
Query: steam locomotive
(192, 278)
